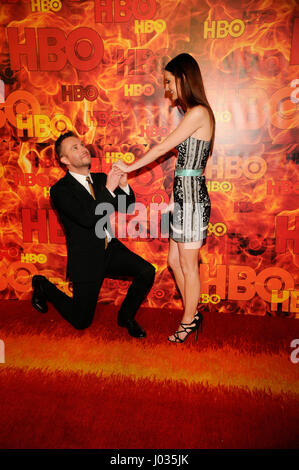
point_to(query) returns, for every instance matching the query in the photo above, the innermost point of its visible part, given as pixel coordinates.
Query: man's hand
(123, 181)
(113, 178)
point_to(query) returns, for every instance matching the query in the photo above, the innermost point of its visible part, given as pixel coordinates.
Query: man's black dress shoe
(134, 329)
(39, 300)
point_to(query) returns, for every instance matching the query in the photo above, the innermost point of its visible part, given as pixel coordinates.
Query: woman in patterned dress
(190, 203)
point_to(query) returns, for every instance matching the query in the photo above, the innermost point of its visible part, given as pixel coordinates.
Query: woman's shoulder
(198, 112)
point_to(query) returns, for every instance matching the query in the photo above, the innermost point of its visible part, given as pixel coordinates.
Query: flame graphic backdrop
(97, 67)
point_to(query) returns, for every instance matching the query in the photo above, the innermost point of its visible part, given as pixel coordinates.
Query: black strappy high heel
(198, 317)
(188, 329)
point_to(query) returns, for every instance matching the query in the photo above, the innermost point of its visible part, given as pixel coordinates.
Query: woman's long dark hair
(189, 80)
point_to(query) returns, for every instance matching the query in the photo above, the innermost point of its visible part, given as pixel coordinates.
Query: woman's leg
(174, 263)
(189, 265)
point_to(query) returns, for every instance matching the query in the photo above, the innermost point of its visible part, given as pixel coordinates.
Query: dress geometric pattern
(191, 213)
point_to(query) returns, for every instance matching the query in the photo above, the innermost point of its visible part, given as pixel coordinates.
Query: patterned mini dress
(189, 219)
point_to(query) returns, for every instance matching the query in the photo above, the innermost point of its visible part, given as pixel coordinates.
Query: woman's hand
(122, 166)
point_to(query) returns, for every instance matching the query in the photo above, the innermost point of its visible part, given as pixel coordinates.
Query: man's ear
(64, 160)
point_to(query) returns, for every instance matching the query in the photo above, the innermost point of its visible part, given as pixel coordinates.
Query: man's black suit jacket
(76, 210)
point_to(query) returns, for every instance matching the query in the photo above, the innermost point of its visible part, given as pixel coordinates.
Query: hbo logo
(149, 26)
(33, 258)
(46, 5)
(136, 89)
(221, 28)
(78, 93)
(206, 298)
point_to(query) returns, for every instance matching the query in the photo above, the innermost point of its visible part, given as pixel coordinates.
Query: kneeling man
(91, 258)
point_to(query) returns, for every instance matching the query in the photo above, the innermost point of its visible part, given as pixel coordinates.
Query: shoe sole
(40, 310)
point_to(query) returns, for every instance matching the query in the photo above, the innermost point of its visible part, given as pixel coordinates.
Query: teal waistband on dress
(187, 172)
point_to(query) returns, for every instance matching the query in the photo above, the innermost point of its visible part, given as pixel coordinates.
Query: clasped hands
(117, 176)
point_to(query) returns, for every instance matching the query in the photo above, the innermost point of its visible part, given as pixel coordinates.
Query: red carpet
(61, 388)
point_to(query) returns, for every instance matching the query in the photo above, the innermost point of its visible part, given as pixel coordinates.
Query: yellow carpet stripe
(140, 360)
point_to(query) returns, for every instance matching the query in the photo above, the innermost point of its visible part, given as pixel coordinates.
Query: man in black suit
(92, 254)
